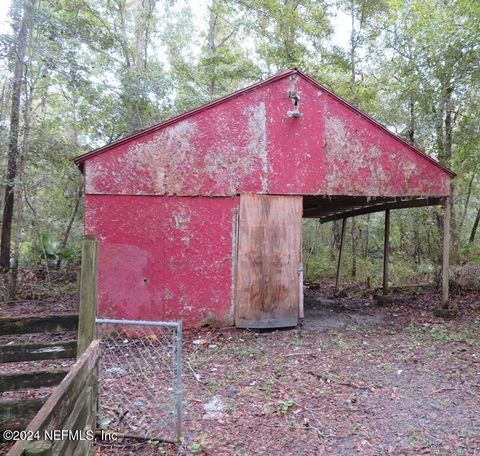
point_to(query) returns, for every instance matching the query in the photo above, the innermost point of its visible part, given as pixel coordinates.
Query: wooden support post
(340, 253)
(386, 252)
(446, 251)
(301, 309)
(88, 294)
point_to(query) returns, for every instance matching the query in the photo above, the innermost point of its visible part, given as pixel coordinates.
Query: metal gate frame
(178, 327)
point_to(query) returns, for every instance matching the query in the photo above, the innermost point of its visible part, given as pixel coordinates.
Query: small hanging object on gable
(296, 103)
(293, 95)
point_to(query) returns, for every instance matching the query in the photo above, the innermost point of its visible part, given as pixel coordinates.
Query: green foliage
(196, 448)
(414, 240)
(284, 406)
(470, 253)
(318, 262)
(319, 266)
(45, 249)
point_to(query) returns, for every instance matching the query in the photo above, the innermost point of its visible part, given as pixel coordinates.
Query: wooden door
(269, 257)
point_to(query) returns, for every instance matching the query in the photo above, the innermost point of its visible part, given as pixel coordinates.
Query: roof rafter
(353, 211)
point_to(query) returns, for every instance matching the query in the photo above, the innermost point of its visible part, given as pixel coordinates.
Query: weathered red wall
(295, 145)
(250, 144)
(221, 151)
(363, 160)
(331, 149)
(164, 258)
(169, 257)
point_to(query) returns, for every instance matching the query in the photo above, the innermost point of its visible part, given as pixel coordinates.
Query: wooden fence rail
(15, 414)
(71, 407)
(35, 352)
(47, 323)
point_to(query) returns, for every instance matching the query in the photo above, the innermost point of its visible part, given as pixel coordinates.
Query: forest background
(77, 74)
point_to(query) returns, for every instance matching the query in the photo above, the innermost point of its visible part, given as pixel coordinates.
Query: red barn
(199, 217)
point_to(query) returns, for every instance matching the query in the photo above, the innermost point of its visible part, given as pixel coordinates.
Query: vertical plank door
(269, 257)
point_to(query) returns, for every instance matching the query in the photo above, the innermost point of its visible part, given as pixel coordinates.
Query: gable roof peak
(80, 160)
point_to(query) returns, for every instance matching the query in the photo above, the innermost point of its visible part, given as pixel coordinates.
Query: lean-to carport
(332, 208)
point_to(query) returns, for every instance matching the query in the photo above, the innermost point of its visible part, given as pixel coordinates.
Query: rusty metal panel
(267, 294)
(164, 258)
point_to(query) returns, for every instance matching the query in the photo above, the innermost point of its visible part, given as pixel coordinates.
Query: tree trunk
(445, 143)
(447, 100)
(143, 8)
(465, 206)
(475, 226)
(12, 289)
(12, 156)
(19, 190)
(123, 37)
(212, 48)
(411, 132)
(353, 46)
(66, 235)
(367, 237)
(289, 32)
(418, 245)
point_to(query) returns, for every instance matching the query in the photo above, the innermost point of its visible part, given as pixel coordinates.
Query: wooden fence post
(87, 311)
(77, 296)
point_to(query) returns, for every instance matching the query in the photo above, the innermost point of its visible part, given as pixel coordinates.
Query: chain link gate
(141, 391)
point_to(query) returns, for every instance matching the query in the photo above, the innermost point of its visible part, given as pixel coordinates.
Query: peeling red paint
(250, 144)
(362, 161)
(220, 152)
(163, 202)
(295, 146)
(163, 258)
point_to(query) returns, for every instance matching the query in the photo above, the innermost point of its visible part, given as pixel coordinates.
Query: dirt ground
(356, 378)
